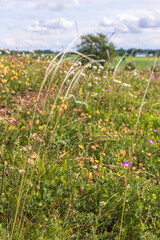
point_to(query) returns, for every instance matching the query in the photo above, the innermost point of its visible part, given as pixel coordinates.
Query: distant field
(139, 62)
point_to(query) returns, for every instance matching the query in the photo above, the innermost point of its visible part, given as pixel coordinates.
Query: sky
(54, 24)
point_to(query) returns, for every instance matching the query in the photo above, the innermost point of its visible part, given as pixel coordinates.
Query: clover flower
(126, 164)
(151, 142)
(14, 121)
(155, 130)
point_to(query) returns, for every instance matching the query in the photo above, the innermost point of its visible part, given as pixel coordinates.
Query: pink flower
(126, 164)
(14, 121)
(155, 130)
(151, 142)
(107, 90)
(38, 108)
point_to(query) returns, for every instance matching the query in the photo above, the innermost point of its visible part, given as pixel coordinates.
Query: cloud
(10, 26)
(55, 5)
(47, 26)
(150, 21)
(13, 43)
(124, 23)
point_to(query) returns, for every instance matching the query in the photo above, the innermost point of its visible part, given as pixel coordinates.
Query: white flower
(95, 167)
(117, 81)
(101, 67)
(126, 85)
(30, 161)
(21, 171)
(94, 67)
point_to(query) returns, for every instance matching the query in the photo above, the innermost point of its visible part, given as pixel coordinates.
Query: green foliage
(129, 66)
(97, 46)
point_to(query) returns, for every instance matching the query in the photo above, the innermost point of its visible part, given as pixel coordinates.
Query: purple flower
(8, 171)
(14, 121)
(107, 90)
(151, 142)
(126, 164)
(155, 130)
(38, 108)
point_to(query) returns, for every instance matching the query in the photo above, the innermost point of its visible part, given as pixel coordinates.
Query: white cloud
(13, 43)
(124, 23)
(150, 21)
(47, 26)
(58, 23)
(10, 26)
(47, 4)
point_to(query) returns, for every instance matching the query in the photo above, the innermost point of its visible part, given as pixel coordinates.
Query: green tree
(97, 46)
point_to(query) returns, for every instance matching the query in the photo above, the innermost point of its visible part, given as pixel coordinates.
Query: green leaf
(41, 166)
(51, 171)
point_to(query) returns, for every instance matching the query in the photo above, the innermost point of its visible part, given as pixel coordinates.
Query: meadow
(79, 149)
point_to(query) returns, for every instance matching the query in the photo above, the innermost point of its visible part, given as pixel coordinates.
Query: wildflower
(21, 171)
(38, 108)
(95, 167)
(94, 67)
(151, 142)
(155, 130)
(126, 164)
(101, 67)
(14, 121)
(107, 90)
(8, 171)
(93, 147)
(82, 188)
(126, 85)
(117, 81)
(30, 161)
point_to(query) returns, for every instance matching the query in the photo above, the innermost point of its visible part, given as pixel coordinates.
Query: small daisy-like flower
(126, 164)
(151, 142)
(126, 85)
(117, 81)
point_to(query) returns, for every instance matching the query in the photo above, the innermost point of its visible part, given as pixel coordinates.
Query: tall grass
(63, 167)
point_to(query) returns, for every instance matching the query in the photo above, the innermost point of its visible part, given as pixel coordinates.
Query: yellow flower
(40, 127)
(81, 146)
(27, 83)
(5, 163)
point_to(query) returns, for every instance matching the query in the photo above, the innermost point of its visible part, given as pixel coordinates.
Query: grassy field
(79, 149)
(141, 63)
